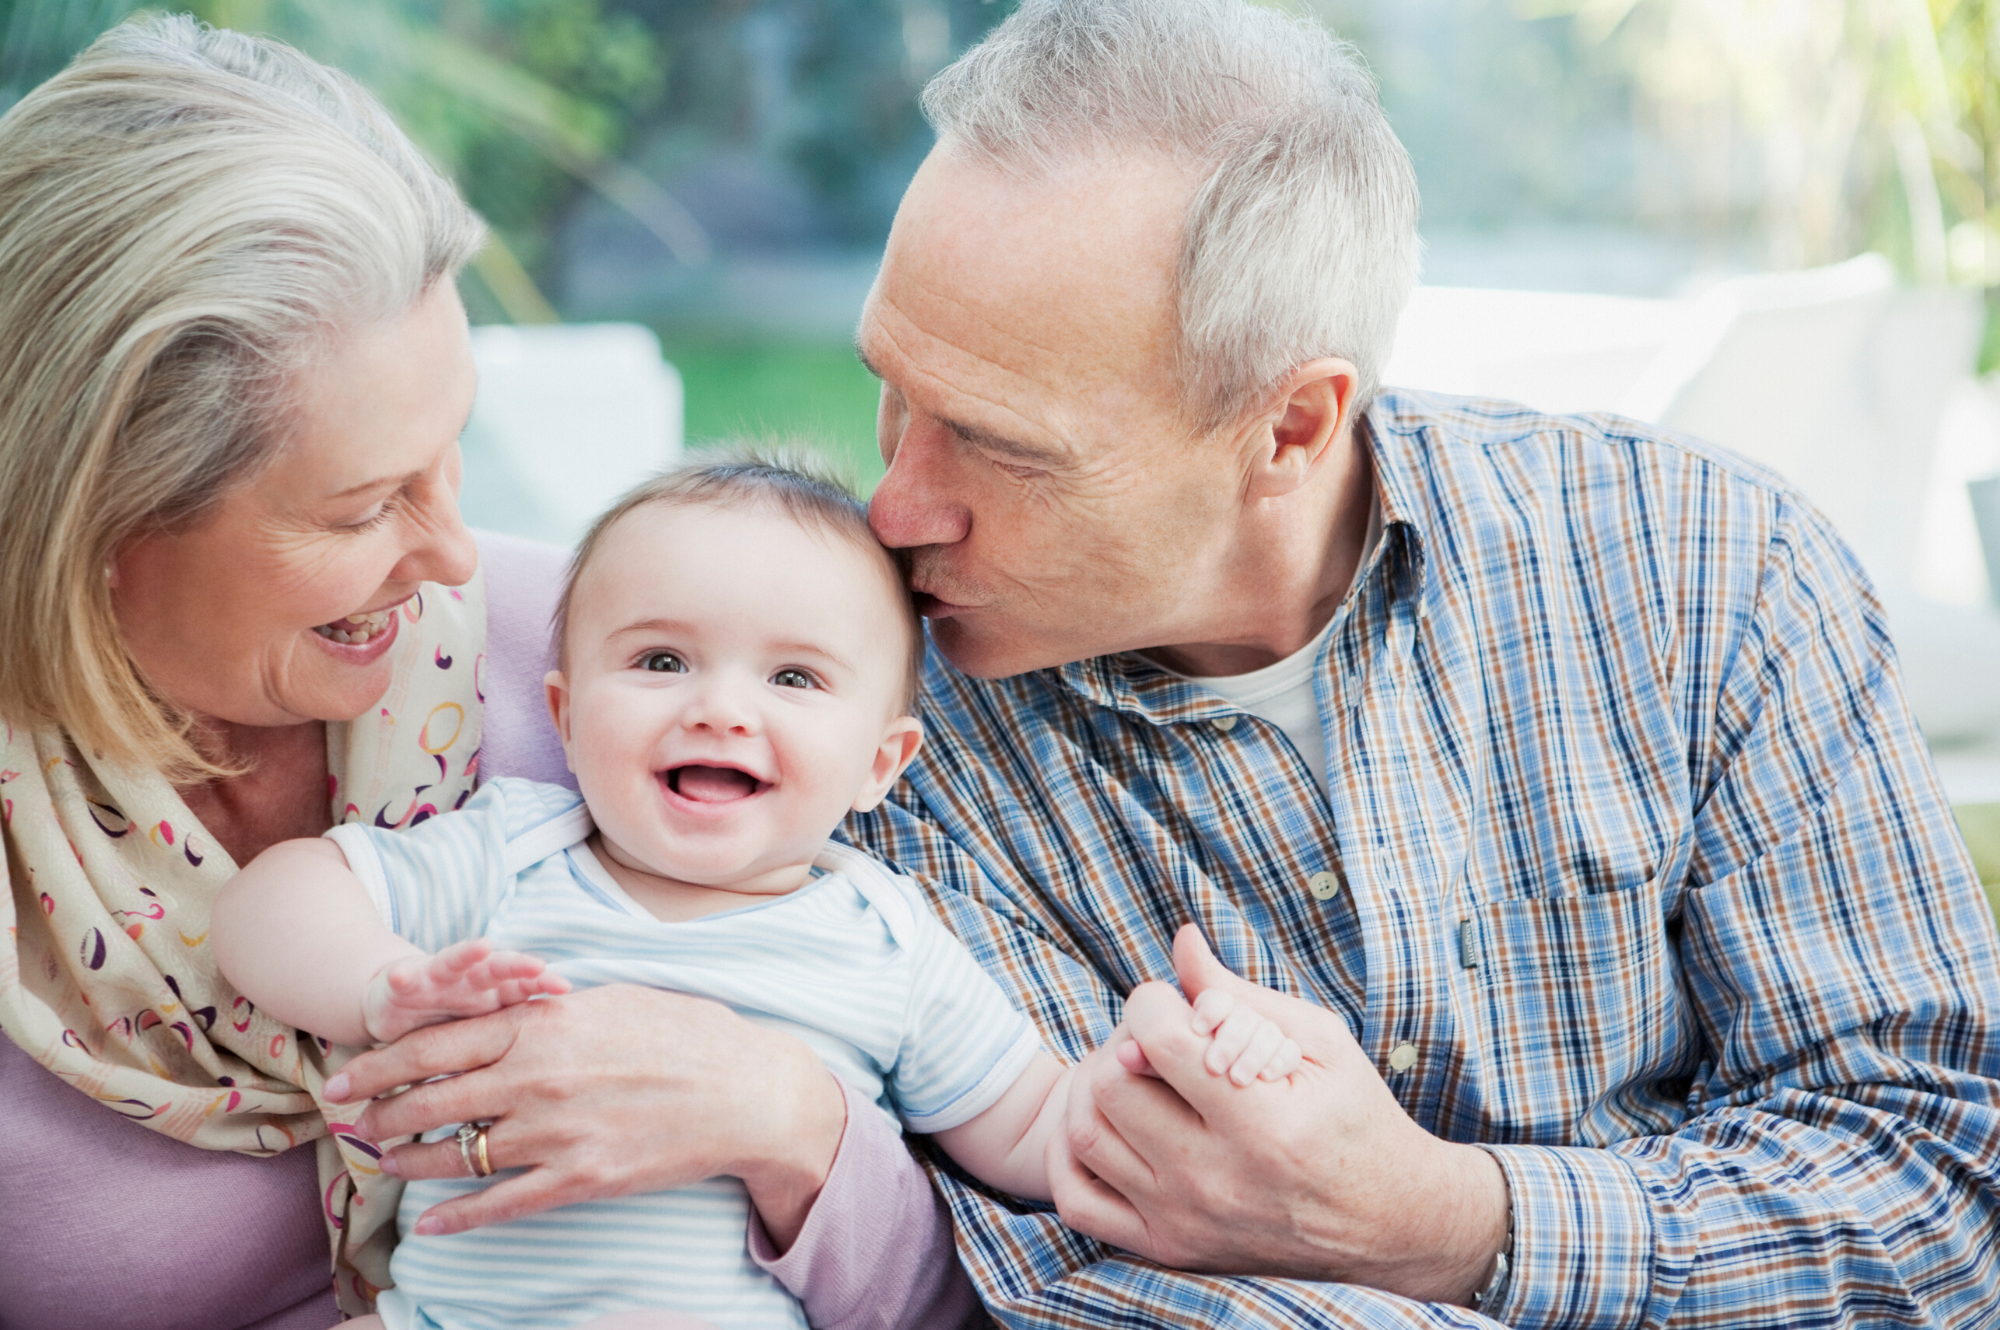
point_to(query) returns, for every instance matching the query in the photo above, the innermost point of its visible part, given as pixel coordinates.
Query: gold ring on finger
(471, 1137)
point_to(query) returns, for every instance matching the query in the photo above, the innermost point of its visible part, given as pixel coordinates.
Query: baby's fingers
(520, 990)
(1284, 1062)
(515, 965)
(1231, 1038)
(1211, 1009)
(1263, 1046)
(456, 961)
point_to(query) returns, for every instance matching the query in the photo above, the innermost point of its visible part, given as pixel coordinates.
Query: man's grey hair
(1301, 240)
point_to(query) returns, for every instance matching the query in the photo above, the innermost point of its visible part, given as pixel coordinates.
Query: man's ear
(1312, 419)
(556, 688)
(900, 742)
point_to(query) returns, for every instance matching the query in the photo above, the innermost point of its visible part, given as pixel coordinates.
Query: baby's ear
(556, 688)
(900, 742)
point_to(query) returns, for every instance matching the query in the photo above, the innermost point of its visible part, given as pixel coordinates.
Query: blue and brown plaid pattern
(1630, 835)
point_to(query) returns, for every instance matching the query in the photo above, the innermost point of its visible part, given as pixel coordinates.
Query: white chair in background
(1833, 377)
(569, 416)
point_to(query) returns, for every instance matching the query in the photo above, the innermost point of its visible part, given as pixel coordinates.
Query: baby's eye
(794, 678)
(663, 662)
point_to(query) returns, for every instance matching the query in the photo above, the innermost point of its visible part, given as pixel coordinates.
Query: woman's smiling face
(239, 619)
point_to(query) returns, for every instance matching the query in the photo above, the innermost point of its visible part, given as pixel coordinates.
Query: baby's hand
(1242, 1044)
(465, 979)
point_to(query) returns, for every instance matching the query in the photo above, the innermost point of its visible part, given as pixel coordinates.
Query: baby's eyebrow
(812, 649)
(650, 626)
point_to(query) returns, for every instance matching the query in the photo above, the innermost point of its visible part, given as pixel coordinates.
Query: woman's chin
(334, 688)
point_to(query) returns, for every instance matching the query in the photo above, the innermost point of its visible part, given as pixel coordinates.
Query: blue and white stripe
(853, 963)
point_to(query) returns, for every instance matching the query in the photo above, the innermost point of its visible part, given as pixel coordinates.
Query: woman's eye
(662, 662)
(794, 679)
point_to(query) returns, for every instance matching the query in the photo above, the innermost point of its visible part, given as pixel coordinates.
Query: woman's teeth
(356, 629)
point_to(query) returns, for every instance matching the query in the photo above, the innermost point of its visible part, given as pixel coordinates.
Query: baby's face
(733, 689)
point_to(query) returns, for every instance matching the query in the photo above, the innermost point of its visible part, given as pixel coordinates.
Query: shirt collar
(1393, 433)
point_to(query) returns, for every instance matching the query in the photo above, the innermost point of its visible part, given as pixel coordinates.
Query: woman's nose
(443, 549)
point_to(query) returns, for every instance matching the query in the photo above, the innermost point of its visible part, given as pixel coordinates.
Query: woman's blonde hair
(188, 218)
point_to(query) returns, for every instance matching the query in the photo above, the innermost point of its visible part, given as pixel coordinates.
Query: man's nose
(918, 501)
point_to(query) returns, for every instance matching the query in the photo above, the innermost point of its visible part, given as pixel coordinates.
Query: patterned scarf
(109, 982)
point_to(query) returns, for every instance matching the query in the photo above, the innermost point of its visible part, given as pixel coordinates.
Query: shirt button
(1224, 723)
(1324, 886)
(1402, 1057)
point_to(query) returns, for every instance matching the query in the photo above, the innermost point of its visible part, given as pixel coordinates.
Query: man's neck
(1290, 574)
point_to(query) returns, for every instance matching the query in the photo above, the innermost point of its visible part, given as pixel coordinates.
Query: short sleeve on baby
(441, 881)
(963, 1042)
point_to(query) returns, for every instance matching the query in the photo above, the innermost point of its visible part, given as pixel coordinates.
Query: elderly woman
(238, 605)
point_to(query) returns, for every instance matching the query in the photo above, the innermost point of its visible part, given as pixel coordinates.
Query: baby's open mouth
(356, 629)
(711, 785)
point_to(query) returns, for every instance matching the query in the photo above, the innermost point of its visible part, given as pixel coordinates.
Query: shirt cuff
(876, 1251)
(1589, 1247)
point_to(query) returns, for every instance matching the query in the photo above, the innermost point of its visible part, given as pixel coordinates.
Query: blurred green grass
(815, 393)
(1980, 825)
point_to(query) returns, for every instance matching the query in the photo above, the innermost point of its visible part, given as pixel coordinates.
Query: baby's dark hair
(796, 481)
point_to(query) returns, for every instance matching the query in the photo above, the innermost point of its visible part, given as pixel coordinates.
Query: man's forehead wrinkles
(943, 294)
(918, 374)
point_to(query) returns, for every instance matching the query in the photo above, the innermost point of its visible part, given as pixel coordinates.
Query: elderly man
(1554, 773)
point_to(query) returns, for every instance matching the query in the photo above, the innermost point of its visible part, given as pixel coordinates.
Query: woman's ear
(900, 742)
(557, 691)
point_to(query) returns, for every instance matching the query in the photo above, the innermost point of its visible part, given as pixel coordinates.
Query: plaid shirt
(1629, 837)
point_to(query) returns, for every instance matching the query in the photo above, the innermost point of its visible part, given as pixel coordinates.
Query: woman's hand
(607, 1092)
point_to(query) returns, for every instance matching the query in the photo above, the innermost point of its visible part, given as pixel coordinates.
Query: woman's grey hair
(1301, 240)
(188, 219)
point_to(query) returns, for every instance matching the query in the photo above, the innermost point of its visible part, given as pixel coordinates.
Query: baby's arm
(1006, 1146)
(296, 933)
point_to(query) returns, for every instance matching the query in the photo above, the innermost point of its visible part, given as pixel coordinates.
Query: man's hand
(603, 1093)
(1318, 1176)
(465, 979)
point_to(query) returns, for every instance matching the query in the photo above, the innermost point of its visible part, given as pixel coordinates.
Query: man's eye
(663, 662)
(794, 679)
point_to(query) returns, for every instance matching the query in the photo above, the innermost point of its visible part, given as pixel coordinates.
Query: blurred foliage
(524, 102)
(1831, 127)
(1509, 121)
(531, 104)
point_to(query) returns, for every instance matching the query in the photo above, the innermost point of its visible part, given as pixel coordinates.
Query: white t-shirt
(1282, 694)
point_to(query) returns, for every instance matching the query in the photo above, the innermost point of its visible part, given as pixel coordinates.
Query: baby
(739, 663)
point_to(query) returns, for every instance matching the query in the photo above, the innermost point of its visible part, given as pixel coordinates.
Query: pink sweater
(105, 1225)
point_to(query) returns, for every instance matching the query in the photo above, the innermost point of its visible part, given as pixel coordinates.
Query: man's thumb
(1196, 966)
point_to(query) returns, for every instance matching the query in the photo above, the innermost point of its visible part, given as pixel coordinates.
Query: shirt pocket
(1587, 1036)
